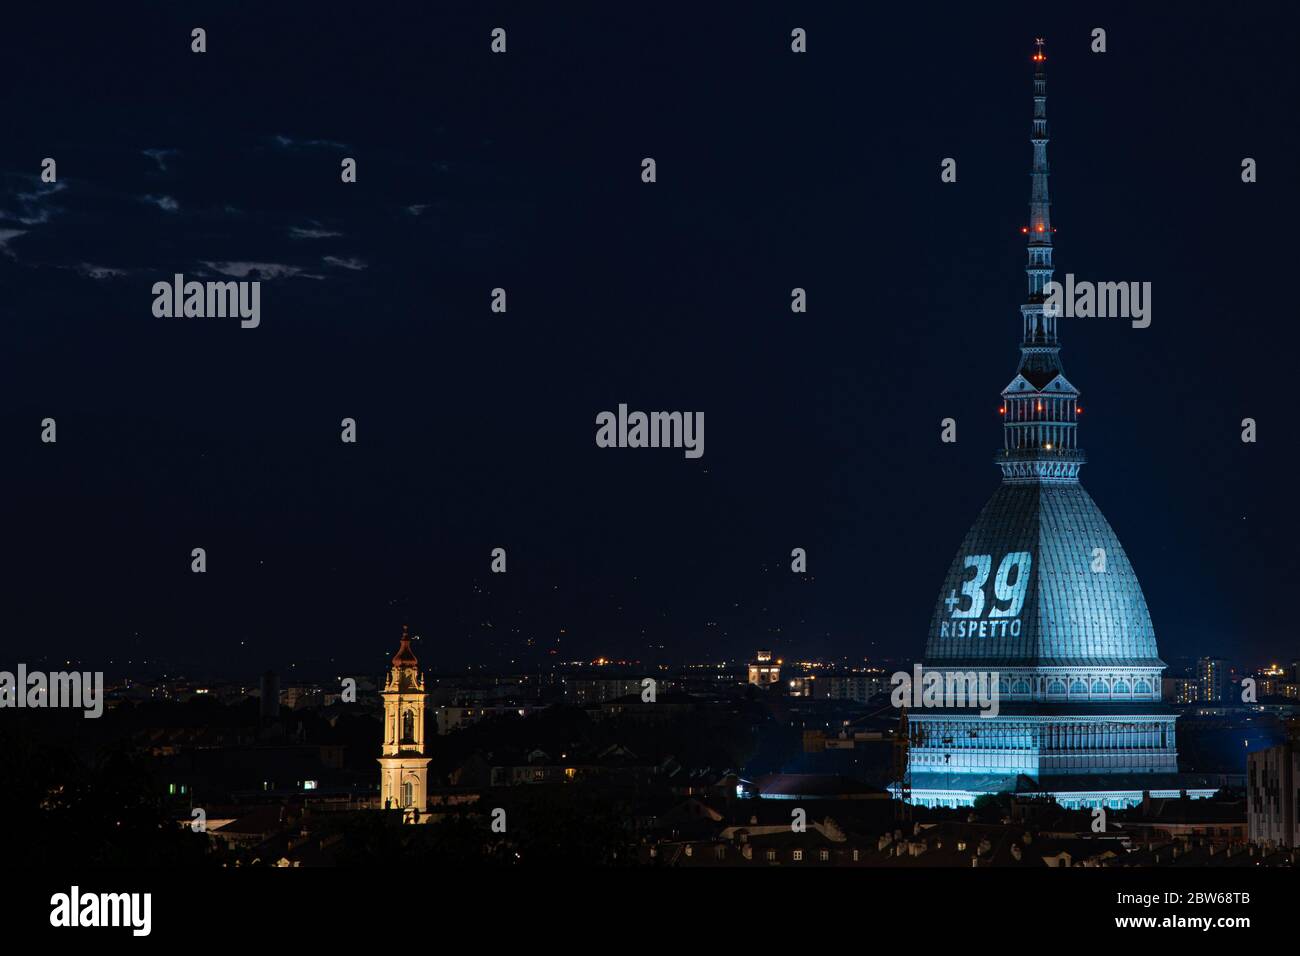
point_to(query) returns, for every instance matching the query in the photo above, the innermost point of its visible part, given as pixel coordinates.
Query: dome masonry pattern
(1071, 613)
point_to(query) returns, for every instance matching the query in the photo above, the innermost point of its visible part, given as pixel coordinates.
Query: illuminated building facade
(1181, 690)
(1042, 594)
(763, 670)
(1213, 675)
(856, 687)
(404, 767)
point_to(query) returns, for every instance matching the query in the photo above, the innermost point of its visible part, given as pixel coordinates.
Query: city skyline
(452, 448)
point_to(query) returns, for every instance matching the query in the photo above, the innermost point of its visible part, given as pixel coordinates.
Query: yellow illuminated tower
(404, 767)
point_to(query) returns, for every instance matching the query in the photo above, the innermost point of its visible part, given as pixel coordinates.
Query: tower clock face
(986, 602)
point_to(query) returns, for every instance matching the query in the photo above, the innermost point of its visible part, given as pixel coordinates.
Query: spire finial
(1039, 55)
(404, 653)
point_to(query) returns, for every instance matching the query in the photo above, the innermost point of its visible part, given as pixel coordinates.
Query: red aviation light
(1078, 411)
(1002, 410)
(1040, 227)
(1024, 229)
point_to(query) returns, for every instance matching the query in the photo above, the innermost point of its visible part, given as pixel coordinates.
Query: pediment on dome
(1045, 383)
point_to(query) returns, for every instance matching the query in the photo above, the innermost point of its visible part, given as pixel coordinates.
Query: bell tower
(404, 766)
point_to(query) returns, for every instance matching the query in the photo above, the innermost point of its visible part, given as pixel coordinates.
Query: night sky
(476, 430)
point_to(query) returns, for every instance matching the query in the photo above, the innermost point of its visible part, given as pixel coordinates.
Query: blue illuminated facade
(1043, 594)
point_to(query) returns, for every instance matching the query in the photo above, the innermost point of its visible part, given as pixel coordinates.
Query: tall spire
(1039, 329)
(1040, 407)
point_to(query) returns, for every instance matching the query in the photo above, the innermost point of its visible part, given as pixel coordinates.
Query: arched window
(408, 793)
(408, 727)
(1099, 687)
(1055, 688)
(1078, 687)
(1142, 688)
(1121, 687)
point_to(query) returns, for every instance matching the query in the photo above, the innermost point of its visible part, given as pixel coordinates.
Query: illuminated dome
(1079, 605)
